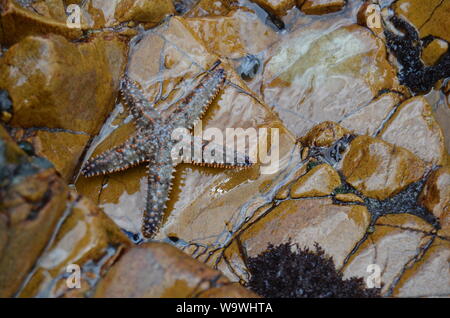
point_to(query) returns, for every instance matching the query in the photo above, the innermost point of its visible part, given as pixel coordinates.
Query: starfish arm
(129, 154)
(213, 155)
(143, 112)
(160, 175)
(192, 107)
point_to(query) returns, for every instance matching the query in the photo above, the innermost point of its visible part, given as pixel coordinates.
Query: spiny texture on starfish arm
(152, 143)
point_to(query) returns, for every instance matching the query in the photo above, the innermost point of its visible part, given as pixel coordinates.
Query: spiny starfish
(152, 143)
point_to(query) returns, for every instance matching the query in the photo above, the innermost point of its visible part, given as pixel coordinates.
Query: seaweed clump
(279, 272)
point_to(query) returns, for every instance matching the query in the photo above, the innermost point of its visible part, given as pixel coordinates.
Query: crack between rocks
(431, 15)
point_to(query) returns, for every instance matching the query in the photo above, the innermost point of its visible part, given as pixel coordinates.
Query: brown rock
(152, 12)
(414, 127)
(234, 290)
(32, 199)
(394, 244)
(62, 84)
(204, 8)
(319, 181)
(158, 270)
(63, 149)
(433, 51)
(379, 169)
(227, 36)
(436, 194)
(87, 238)
(429, 17)
(429, 276)
(348, 197)
(304, 222)
(16, 23)
(322, 6)
(324, 135)
(276, 7)
(320, 73)
(368, 119)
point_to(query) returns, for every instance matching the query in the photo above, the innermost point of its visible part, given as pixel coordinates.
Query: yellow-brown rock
(319, 181)
(152, 12)
(58, 84)
(429, 276)
(322, 6)
(379, 169)
(87, 238)
(304, 222)
(324, 73)
(414, 127)
(276, 7)
(348, 197)
(324, 135)
(16, 23)
(433, 51)
(396, 241)
(435, 195)
(63, 149)
(33, 197)
(158, 270)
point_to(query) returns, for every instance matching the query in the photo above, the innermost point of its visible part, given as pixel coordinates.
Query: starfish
(152, 143)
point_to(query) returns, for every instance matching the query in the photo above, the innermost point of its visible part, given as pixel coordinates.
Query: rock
(429, 276)
(394, 244)
(433, 51)
(227, 36)
(305, 222)
(63, 149)
(430, 18)
(379, 169)
(414, 127)
(322, 6)
(152, 12)
(435, 195)
(276, 7)
(321, 73)
(33, 200)
(204, 8)
(370, 118)
(62, 85)
(348, 197)
(324, 135)
(158, 270)
(319, 181)
(86, 238)
(234, 290)
(17, 22)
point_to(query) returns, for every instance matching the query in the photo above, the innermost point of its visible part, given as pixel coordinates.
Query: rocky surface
(361, 151)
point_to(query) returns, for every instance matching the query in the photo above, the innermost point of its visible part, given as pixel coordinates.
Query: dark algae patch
(408, 50)
(281, 273)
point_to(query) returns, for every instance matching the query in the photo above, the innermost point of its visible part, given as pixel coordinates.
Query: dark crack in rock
(6, 106)
(333, 154)
(248, 67)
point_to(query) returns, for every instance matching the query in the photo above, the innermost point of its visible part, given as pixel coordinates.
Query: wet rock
(369, 119)
(162, 62)
(32, 199)
(324, 135)
(434, 51)
(414, 127)
(321, 73)
(227, 36)
(158, 270)
(17, 22)
(152, 12)
(62, 85)
(204, 8)
(234, 290)
(86, 238)
(319, 181)
(63, 149)
(430, 18)
(395, 244)
(379, 169)
(429, 276)
(276, 7)
(322, 6)
(304, 222)
(436, 194)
